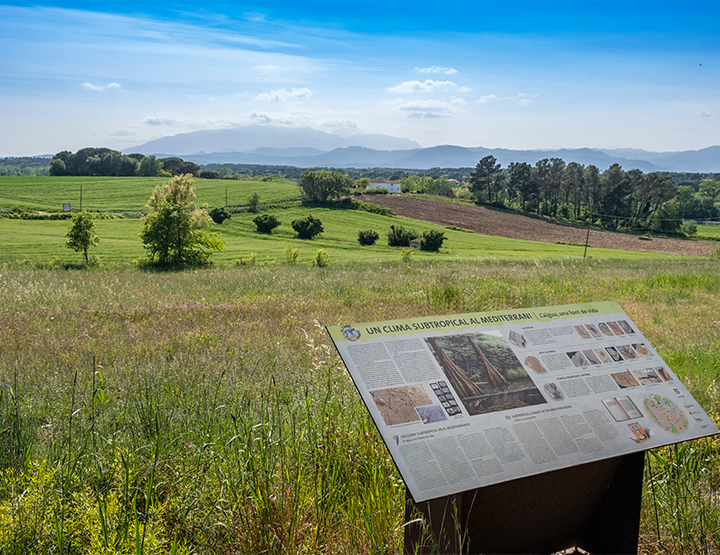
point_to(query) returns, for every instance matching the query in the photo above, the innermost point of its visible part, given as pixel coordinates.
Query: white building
(389, 186)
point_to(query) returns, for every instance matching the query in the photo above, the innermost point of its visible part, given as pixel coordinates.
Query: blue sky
(517, 75)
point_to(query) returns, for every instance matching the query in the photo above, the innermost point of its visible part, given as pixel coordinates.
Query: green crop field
(709, 229)
(128, 194)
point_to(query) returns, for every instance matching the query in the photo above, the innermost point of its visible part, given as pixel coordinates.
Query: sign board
(66, 207)
(470, 400)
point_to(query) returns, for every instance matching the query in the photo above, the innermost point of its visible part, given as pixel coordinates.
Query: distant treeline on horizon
(113, 161)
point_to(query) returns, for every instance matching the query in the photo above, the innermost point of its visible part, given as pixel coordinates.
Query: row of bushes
(306, 228)
(309, 226)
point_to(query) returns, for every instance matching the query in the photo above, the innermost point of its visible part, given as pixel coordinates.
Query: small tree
(307, 227)
(81, 235)
(253, 202)
(266, 223)
(367, 237)
(291, 255)
(321, 258)
(432, 240)
(172, 230)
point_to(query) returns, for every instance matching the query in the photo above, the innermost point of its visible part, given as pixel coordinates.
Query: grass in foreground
(206, 412)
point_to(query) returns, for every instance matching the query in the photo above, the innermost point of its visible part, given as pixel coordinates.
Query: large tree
(322, 186)
(482, 180)
(172, 230)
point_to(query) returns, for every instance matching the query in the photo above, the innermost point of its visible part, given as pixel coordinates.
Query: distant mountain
(308, 148)
(252, 137)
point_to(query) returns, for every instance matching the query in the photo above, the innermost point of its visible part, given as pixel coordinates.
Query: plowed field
(514, 226)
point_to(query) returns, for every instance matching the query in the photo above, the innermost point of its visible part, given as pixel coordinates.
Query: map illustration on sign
(470, 400)
(666, 414)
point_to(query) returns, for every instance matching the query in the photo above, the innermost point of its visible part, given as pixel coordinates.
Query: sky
(498, 74)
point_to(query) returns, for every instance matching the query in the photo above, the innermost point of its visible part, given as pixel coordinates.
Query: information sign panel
(469, 400)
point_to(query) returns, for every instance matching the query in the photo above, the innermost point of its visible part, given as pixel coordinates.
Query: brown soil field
(514, 226)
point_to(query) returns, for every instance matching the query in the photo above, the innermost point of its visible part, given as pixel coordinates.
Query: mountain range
(309, 148)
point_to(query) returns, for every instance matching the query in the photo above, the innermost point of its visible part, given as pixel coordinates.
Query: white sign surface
(475, 399)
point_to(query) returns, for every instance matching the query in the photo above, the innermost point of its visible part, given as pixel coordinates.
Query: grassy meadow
(709, 229)
(128, 194)
(207, 412)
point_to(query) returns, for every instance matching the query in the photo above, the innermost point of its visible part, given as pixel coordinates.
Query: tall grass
(207, 412)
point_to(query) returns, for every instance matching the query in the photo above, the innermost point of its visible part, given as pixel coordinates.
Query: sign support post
(595, 507)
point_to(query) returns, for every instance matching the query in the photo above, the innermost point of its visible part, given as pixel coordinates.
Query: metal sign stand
(593, 506)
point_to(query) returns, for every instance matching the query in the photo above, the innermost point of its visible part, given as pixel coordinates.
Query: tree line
(94, 161)
(614, 198)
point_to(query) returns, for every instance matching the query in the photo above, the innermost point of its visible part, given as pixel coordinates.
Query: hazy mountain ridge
(305, 147)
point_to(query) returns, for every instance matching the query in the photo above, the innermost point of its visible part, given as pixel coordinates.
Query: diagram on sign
(485, 372)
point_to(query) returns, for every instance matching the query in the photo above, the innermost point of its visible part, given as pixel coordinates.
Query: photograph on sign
(470, 400)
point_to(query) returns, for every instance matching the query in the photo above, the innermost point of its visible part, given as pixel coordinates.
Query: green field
(128, 194)
(709, 229)
(42, 241)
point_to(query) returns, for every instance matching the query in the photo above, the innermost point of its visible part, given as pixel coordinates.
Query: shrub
(367, 237)
(432, 240)
(321, 258)
(266, 223)
(291, 255)
(374, 208)
(406, 254)
(307, 227)
(219, 215)
(689, 228)
(398, 236)
(249, 261)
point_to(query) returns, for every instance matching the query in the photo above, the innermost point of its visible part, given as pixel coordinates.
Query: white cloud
(524, 101)
(283, 94)
(268, 118)
(486, 98)
(436, 69)
(90, 87)
(706, 114)
(425, 86)
(123, 133)
(430, 109)
(270, 68)
(156, 121)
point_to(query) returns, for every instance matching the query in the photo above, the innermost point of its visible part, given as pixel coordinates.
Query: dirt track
(490, 222)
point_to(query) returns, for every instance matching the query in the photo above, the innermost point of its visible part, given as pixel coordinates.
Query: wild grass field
(207, 412)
